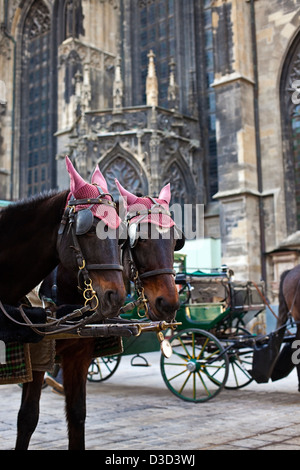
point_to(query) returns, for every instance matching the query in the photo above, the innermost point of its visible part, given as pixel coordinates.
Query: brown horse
(61, 227)
(33, 242)
(149, 249)
(147, 261)
(289, 302)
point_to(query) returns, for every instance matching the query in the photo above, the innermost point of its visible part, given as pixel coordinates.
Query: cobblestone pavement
(134, 410)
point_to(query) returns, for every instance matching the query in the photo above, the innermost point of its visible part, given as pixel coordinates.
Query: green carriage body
(215, 307)
(218, 303)
(235, 305)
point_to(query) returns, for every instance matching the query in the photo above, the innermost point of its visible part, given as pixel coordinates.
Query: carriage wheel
(102, 368)
(198, 368)
(240, 360)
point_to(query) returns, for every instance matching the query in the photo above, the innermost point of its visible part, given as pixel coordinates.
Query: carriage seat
(204, 315)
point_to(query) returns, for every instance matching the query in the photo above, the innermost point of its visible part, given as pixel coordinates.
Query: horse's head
(148, 252)
(88, 242)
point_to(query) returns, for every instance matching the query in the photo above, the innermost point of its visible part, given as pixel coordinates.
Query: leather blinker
(83, 221)
(180, 239)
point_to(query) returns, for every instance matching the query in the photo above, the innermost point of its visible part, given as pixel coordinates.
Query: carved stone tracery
(126, 174)
(293, 86)
(38, 21)
(174, 175)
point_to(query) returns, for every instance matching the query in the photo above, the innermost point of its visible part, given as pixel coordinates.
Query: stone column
(237, 160)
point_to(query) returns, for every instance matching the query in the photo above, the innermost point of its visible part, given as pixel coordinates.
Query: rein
(51, 322)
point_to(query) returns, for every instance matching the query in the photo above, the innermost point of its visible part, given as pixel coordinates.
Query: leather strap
(98, 200)
(160, 210)
(156, 272)
(105, 267)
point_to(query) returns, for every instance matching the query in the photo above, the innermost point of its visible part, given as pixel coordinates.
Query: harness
(75, 323)
(80, 223)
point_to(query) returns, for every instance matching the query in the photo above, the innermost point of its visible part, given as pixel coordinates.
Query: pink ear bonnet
(135, 204)
(80, 189)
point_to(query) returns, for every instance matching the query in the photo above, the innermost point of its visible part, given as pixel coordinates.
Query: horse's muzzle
(165, 309)
(111, 302)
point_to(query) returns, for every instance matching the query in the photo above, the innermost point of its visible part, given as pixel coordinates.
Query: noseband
(80, 223)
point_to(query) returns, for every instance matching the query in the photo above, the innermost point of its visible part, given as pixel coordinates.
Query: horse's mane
(28, 231)
(21, 212)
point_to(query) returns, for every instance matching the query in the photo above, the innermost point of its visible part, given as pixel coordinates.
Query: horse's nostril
(159, 303)
(113, 298)
(165, 307)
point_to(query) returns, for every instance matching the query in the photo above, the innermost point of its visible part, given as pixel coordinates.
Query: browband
(98, 200)
(131, 215)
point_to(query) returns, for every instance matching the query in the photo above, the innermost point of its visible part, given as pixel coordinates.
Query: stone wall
(277, 23)
(251, 166)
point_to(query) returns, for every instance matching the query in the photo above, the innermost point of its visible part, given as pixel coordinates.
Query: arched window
(122, 165)
(290, 108)
(35, 142)
(126, 174)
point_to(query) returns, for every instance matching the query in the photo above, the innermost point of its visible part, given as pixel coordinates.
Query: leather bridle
(135, 276)
(156, 208)
(69, 217)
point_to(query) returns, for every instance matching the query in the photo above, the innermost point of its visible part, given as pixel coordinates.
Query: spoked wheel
(198, 368)
(240, 360)
(102, 368)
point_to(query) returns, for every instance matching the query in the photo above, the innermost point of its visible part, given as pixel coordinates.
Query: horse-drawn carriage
(212, 345)
(80, 231)
(69, 230)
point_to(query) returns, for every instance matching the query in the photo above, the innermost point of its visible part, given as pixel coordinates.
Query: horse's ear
(76, 181)
(128, 197)
(99, 180)
(165, 194)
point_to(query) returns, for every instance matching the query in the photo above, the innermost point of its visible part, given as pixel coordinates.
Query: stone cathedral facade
(201, 93)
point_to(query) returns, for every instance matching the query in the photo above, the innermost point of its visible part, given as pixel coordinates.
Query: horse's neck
(62, 287)
(28, 235)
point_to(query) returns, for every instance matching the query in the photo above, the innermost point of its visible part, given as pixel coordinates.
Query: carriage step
(145, 363)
